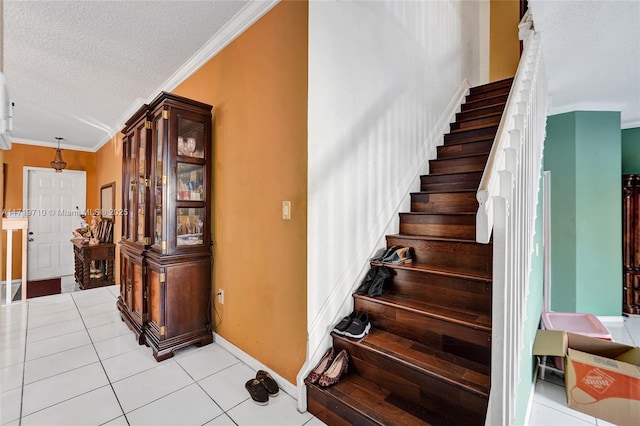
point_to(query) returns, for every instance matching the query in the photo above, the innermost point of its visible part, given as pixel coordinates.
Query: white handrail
(507, 197)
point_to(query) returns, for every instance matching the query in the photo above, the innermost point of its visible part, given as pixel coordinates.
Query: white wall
(381, 76)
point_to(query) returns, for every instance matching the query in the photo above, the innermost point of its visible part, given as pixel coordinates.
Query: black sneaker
(359, 327)
(344, 323)
(257, 391)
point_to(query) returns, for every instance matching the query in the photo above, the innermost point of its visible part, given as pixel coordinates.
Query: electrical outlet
(221, 296)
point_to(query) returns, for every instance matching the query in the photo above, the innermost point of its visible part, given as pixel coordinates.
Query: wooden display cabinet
(631, 244)
(165, 248)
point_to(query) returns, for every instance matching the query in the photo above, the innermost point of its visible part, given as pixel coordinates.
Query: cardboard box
(602, 377)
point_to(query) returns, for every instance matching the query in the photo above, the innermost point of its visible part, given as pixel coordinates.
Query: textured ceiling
(592, 55)
(74, 68)
(78, 69)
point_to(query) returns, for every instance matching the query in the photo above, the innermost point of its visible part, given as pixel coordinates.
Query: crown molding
(586, 106)
(246, 17)
(47, 144)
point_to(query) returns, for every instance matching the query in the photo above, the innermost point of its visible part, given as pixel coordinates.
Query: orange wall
(504, 53)
(109, 169)
(258, 88)
(36, 156)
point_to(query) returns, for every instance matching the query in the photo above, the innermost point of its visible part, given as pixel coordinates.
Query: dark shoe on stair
(268, 382)
(338, 367)
(367, 280)
(359, 327)
(377, 286)
(379, 256)
(344, 323)
(322, 366)
(402, 255)
(257, 391)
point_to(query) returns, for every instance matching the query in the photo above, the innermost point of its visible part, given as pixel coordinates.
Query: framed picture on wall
(107, 200)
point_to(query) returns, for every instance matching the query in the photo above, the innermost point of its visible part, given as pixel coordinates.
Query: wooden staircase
(427, 357)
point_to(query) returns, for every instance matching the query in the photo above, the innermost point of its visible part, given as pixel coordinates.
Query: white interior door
(52, 203)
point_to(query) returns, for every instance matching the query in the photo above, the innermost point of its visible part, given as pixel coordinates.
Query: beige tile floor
(69, 360)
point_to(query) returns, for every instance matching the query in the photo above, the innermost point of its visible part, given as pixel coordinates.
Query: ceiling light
(57, 162)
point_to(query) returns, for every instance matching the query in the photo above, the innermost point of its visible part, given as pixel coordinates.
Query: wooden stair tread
(490, 96)
(435, 175)
(444, 191)
(465, 317)
(471, 376)
(483, 88)
(461, 132)
(440, 270)
(428, 238)
(477, 114)
(462, 156)
(369, 400)
(437, 214)
(462, 142)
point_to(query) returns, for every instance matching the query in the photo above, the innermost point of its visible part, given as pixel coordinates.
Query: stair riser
(491, 86)
(445, 336)
(416, 387)
(472, 178)
(452, 186)
(472, 97)
(442, 289)
(458, 165)
(333, 411)
(456, 254)
(478, 122)
(464, 149)
(497, 100)
(439, 225)
(471, 135)
(445, 202)
(480, 112)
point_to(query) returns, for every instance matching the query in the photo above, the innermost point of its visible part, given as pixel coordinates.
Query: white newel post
(10, 225)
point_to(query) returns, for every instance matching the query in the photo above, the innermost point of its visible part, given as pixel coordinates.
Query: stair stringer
(340, 300)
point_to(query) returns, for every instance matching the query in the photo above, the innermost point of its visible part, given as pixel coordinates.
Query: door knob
(30, 233)
(30, 239)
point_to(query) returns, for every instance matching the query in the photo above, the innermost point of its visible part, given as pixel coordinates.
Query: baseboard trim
(284, 384)
(612, 318)
(532, 394)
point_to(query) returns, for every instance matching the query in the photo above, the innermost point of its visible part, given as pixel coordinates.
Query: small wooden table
(94, 264)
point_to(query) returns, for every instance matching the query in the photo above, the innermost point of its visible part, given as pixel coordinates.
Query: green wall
(631, 151)
(559, 158)
(583, 153)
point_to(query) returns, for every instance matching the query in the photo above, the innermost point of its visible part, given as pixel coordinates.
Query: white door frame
(25, 188)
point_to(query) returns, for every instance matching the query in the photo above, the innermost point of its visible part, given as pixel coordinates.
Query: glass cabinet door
(132, 173)
(190, 138)
(190, 181)
(141, 177)
(189, 226)
(158, 185)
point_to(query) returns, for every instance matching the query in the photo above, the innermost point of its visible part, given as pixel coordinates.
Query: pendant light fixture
(57, 162)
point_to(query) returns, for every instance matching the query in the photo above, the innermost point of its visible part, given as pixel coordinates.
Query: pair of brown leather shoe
(262, 387)
(330, 369)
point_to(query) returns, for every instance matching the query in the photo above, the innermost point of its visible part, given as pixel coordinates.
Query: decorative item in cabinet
(169, 183)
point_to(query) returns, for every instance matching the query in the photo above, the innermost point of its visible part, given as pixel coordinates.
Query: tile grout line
(24, 363)
(101, 365)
